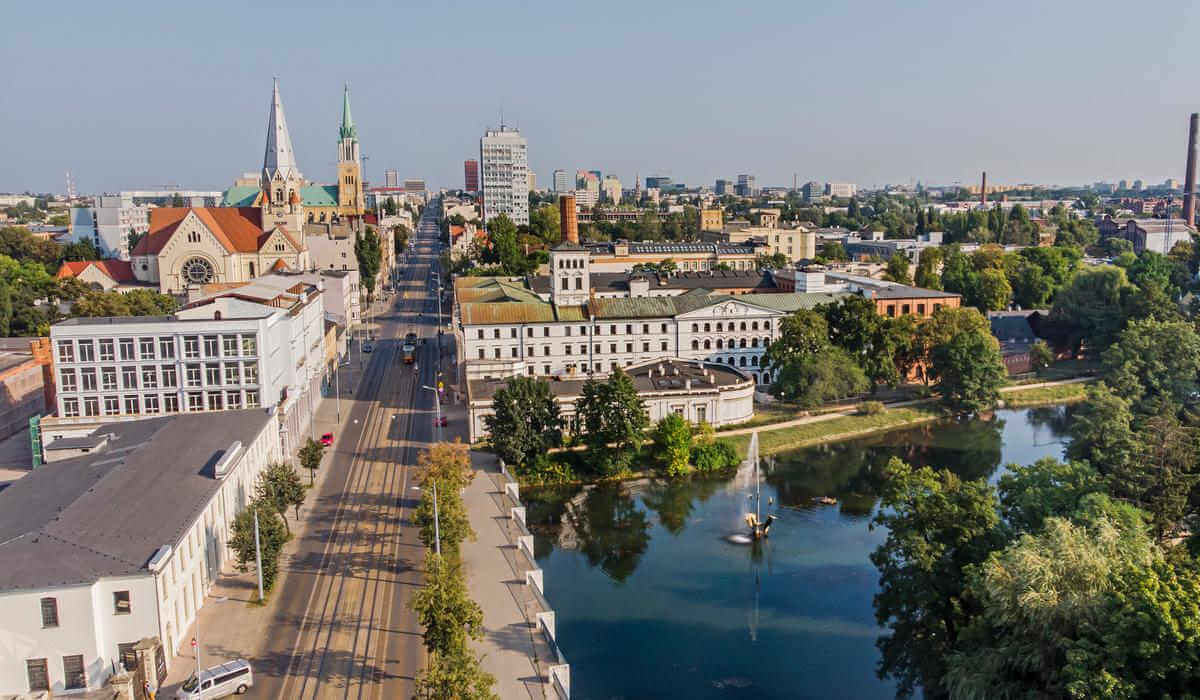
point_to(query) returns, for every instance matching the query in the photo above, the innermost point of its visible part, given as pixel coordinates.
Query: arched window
(718, 327)
(707, 344)
(720, 344)
(742, 344)
(766, 342)
(754, 325)
(695, 327)
(743, 325)
(766, 325)
(754, 360)
(754, 342)
(695, 344)
(742, 361)
(766, 377)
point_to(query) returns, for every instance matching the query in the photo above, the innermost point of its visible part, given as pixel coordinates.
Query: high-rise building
(611, 189)
(532, 181)
(723, 187)
(598, 174)
(562, 182)
(845, 190)
(660, 182)
(813, 191)
(391, 178)
(471, 175)
(503, 154)
(746, 186)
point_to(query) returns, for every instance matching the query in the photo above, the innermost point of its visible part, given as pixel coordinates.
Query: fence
(559, 673)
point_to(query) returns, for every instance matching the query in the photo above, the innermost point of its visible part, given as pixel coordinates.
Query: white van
(233, 677)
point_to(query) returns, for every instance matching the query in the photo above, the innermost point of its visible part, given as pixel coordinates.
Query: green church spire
(347, 131)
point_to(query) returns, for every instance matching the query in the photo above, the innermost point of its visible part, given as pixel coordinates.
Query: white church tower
(569, 274)
(281, 179)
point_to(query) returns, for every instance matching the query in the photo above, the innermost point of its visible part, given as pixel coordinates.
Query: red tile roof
(279, 265)
(117, 270)
(238, 229)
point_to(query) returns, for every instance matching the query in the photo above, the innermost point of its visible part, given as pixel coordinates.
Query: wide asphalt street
(343, 627)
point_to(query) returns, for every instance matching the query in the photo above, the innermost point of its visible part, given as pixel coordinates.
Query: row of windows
(74, 676)
(569, 350)
(582, 367)
(907, 309)
(155, 376)
(152, 404)
(613, 329)
(108, 349)
(49, 608)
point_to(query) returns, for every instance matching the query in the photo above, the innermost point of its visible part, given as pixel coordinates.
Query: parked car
(231, 678)
(327, 439)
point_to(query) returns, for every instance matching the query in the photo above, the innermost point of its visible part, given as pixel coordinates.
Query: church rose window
(198, 271)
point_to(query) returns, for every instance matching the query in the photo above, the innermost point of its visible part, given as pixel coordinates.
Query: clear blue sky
(132, 94)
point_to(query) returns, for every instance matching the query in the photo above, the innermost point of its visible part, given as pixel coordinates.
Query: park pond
(653, 601)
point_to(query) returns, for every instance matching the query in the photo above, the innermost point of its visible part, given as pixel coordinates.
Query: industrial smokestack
(983, 191)
(1189, 179)
(567, 219)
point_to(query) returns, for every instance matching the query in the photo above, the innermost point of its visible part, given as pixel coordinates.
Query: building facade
(746, 186)
(504, 159)
(109, 223)
(610, 187)
(471, 175)
(562, 182)
(119, 541)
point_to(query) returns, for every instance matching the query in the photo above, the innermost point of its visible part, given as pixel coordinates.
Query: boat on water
(826, 500)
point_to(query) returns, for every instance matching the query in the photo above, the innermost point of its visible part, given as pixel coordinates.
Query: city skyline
(916, 99)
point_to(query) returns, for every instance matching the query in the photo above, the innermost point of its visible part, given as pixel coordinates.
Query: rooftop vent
(228, 459)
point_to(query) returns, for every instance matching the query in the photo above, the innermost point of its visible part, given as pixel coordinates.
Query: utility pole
(257, 557)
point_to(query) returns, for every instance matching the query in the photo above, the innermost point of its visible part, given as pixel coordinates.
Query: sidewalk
(230, 622)
(513, 648)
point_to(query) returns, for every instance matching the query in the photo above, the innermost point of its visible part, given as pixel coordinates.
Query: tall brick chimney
(568, 220)
(983, 191)
(1189, 179)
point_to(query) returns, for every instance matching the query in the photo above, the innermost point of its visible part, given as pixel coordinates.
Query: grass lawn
(770, 441)
(1063, 393)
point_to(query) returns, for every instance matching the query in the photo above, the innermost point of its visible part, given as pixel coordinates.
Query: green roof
(241, 196)
(319, 195)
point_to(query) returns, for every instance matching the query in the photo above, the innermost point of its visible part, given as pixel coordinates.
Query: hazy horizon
(141, 95)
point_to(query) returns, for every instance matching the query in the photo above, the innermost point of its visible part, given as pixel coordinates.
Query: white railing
(559, 675)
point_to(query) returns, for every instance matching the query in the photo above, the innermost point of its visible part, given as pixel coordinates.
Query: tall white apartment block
(109, 223)
(562, 182)
(504, 162)
(844, 190)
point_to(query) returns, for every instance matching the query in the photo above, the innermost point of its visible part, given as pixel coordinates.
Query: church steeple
(347, 131)
(279, 161)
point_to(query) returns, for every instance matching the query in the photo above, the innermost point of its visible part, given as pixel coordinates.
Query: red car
(441, 422)
(327, 439)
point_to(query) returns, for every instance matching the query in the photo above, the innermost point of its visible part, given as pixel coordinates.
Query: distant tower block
(1189, 180)
(568, 219)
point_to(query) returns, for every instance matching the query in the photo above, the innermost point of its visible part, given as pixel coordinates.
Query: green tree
(1153, 361)
(1041, 355)
(672, 438)
(1047, 488)
(525, 422)
(938, 526)
(445, 611)
(856, 327)
(897, 269)
(827, 376)
(614, 420)
(368, 253)
(389, 206)
(1162, 473)
(505, 249)
(1101, 430)
(400, 234)
(310, 456)
(1090, 308)
(278, 487)
(927, 268)
(1036, 598)
(272, 536)
(992, 290)
(456, 675)
(446, 470)
(544, 223)
(834, 250)
(969, 371)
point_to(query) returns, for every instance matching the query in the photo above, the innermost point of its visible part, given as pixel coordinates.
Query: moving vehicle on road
(230, 678)
(327, 439)
(410, 338)
(410, 352)
(368, 347)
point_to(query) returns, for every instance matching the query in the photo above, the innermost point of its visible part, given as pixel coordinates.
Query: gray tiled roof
(107, 512)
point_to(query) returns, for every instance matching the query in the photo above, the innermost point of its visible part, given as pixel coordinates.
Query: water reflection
(653, 602)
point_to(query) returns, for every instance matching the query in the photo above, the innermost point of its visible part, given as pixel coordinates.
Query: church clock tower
(351, 202)
(280, 180)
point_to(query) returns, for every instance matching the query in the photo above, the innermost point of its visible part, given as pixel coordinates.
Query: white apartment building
(108, 224)
(215, 354)
(119, 541)
(12, 200)
(504, 174)
(509, 330)
(795, 243)
(611, 189)
(844, 190)
(562, 182)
